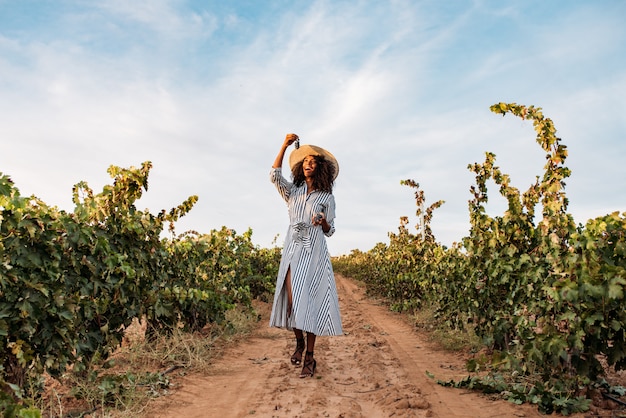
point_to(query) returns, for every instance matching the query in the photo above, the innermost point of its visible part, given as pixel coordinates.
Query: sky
(400, 89)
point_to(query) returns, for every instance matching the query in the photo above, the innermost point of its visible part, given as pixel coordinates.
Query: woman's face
(309, 165)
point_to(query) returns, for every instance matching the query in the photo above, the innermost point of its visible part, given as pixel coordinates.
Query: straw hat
(298, 154)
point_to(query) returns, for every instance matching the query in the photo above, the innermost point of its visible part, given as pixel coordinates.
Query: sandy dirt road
(377, 369)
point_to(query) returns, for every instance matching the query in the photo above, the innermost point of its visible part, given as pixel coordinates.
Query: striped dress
(315, 303)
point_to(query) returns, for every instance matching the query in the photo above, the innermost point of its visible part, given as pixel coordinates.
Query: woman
(306, 294)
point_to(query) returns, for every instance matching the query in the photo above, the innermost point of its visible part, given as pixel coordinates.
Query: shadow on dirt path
(377, 369)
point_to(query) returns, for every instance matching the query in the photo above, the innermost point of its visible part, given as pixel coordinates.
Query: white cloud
(387, 87)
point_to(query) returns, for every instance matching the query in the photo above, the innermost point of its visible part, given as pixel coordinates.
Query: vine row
(71, 283)
(545, 295)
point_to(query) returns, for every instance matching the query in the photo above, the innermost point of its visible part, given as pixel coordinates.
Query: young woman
(306, 294)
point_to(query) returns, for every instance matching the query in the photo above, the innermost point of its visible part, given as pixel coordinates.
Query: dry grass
(439, 333)
(141, 370)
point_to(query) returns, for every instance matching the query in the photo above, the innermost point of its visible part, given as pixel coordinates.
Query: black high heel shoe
(308, 370)
(296, 357)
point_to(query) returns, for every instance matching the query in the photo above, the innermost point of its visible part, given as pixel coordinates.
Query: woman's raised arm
(289, 139)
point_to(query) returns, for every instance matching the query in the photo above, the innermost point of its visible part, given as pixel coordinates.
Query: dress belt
(302, 234)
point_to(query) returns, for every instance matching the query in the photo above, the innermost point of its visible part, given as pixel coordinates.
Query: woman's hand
(290, 139)
(320, 219)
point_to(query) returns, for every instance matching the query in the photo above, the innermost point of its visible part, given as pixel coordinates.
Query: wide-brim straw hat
(301, 153)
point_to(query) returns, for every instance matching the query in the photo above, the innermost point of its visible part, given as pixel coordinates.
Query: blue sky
(207, 90)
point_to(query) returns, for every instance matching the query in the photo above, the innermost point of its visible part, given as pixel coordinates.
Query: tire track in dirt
(377, 369)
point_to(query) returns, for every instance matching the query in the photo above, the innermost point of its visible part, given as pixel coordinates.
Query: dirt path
(377, 369)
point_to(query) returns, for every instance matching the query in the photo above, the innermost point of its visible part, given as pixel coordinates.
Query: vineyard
(71, 283)
(545, 296)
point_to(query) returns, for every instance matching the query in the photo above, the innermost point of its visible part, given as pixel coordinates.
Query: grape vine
(545, 295)
(71, 283)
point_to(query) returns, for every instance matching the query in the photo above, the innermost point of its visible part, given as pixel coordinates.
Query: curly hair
(322, 176)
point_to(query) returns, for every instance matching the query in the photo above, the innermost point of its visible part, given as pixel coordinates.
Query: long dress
(315, 303)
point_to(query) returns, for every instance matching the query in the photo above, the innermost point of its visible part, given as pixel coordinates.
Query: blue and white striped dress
(315, 303)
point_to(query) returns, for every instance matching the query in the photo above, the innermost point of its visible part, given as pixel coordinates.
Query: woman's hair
(322, 176)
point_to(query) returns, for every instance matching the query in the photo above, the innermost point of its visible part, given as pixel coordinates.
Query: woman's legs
(296, 357)
(308, 369)
(289, 292)
(310, 341)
